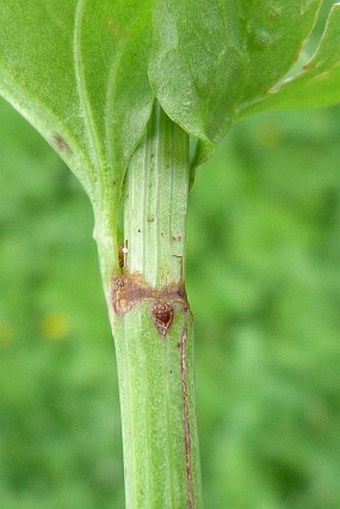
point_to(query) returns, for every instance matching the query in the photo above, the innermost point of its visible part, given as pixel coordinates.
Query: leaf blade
(36, 93)
(318, 84)
(209, 57)
(69, 72)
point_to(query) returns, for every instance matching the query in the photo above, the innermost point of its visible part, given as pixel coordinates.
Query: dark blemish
(122, 252)
(138, 230)
(121, 255)
(114, 182)
(181, 292)
(162, 314)
(178, 238)
(186, 419)
(60, 144)
(129, 289)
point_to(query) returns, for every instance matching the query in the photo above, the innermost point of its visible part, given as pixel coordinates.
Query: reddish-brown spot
(60, 143)
(162, 314)
(129, 289)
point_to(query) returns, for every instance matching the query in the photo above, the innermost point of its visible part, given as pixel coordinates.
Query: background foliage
(263, 275)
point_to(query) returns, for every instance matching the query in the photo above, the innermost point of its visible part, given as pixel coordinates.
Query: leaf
(78, 73)
(211, 56)
(318, 83)
(111, 50)
(36, 63)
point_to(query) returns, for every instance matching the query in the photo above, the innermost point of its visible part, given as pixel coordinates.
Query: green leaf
(36, 76)
(318, 83)
(111, 50)
(78, 73)
(211, 56)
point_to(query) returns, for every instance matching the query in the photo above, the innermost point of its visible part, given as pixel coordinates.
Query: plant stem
(152, 325)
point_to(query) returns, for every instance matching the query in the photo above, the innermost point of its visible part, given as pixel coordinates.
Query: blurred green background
(263, 275)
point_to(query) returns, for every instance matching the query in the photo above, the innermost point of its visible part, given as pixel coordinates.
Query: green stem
(152, 325)
(155, 203)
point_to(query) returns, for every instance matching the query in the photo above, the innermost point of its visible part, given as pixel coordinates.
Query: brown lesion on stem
(162, 314)
(130, 289)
